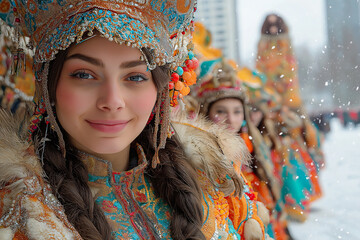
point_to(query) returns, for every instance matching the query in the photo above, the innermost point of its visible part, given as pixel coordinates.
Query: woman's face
(104, 96)
(256, 116)
(229, 111)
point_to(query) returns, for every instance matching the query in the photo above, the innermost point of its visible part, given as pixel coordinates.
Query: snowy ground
(337, 214)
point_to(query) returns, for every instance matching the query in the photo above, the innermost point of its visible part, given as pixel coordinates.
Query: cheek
(69, 100)
(216, 118)
(240, 120)
(143, 103)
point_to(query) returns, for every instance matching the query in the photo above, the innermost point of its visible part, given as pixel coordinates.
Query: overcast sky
(305, 18)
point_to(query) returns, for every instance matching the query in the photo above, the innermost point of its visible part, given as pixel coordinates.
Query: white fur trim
(252, 230)
(263, 213)
(212, 149)
(6, 234)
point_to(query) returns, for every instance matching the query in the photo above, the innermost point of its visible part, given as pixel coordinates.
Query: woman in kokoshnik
(104, 161)
(276, 59)
(221, 97)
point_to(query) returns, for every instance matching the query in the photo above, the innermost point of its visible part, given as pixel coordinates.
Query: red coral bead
(175, 77)
(189, 63)
(185, 69)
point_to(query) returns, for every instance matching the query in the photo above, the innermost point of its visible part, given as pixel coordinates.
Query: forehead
(228, 103)
(101, 47)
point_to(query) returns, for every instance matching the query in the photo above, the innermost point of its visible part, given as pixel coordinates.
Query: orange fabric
(238, 207)
(20, 236)
(311, 135)
(245, 137)
(238, 211)
(279, 230)
(260, 187)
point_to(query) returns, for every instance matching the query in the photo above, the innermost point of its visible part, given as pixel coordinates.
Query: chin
(233, 130)
(107, 148)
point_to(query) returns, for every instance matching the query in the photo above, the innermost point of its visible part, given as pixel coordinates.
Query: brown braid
(175, 181)
(68, 179)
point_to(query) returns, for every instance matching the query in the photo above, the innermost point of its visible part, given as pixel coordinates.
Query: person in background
(222, 100)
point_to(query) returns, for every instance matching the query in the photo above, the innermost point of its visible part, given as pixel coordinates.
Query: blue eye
(82, 75)
(137, 78)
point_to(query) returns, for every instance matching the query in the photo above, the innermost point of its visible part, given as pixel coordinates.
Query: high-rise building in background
(344, 49)
(219, 16)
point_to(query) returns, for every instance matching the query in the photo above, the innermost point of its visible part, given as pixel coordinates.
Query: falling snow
(337, 214)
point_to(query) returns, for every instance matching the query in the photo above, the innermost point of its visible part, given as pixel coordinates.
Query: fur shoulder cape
(212, 149)
(28, 209)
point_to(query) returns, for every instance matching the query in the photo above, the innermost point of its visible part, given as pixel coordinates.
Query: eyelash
(144, 78)
(222, 112)
(77, 75)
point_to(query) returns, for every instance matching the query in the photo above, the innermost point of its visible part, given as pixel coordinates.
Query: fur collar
(214, 150)
(17, 158)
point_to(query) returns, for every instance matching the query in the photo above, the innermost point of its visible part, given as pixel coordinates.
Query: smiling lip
(107, 126)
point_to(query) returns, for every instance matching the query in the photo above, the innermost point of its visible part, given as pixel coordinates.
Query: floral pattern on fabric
(128, 200)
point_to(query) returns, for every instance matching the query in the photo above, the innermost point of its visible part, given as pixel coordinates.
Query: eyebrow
(131, 64)
(97, 62)
(225, 108)
(85, 58)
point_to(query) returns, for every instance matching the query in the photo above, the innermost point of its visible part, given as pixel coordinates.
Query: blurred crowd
(346, 117)
(264, 107)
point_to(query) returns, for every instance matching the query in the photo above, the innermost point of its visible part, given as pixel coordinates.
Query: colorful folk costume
(222, 83)
(33, 202)
(261, 100)
(288, 164)
(277, 61)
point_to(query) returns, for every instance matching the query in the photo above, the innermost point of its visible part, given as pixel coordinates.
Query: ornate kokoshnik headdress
(221, 82)
(162, 26)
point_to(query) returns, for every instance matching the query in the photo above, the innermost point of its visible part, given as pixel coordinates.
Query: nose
(229, 118)
(111, 97)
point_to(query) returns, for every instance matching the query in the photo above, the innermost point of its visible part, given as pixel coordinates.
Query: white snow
(337, 214)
